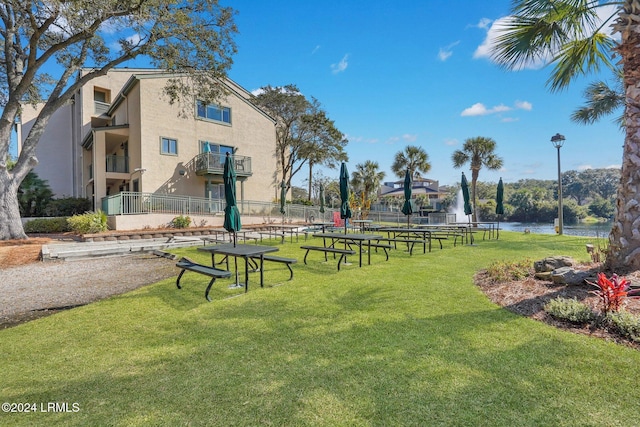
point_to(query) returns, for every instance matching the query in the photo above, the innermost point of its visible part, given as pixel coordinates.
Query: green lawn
(410, 341)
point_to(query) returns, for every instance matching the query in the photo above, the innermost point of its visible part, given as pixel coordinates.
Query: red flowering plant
(613, 291)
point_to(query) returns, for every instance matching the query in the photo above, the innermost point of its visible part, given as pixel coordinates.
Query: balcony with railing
(119, 164)
(213, 163)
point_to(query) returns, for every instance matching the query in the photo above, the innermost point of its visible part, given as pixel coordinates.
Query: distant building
(120, 133)
(428, 188)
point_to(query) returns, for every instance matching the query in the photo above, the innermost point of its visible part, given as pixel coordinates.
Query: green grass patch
(409, 341)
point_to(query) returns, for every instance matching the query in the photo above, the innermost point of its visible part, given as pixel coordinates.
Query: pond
(601, 229)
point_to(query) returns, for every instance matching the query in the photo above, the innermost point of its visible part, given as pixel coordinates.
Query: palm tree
(478, 152)
(366, 180)
(601, 100)
(413, 158)
(570, 33)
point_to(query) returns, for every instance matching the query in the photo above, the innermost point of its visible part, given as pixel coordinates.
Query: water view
(590, 230)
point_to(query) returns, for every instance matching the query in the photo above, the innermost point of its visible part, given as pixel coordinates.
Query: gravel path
(39, 289)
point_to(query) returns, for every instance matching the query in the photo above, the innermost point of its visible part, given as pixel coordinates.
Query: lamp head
(557, 140)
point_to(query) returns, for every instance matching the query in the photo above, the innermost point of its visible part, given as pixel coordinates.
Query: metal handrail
(133, 203)
(214, 163)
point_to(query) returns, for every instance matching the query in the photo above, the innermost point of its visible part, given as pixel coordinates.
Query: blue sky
(392, 74)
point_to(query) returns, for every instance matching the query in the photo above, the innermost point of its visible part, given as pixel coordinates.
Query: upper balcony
(119, 164)
(213, 163)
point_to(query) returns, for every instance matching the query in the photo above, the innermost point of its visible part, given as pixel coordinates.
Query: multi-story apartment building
(120, 133)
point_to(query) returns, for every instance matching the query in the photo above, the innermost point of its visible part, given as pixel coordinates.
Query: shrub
(89, 222)
(47, 225)
(68, 206)
(570, 309)
(506, 271)
(626, 324)
(180, 222)
(612, 292)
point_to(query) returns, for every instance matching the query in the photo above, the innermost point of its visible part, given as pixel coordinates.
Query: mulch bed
(528, 297)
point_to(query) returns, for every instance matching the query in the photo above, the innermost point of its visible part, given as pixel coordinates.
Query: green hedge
(47, 225)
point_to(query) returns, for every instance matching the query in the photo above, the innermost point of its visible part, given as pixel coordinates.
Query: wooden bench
(273, 258)
(342, 252)
(186, 264)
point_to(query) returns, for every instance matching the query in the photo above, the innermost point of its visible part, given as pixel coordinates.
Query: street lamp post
(558, 140)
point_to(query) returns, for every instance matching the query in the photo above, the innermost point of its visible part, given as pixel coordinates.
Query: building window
(212, 147)
(168, 146)
(214, 112)
(101, 95)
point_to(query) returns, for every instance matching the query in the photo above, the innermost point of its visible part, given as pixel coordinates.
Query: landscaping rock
(553, 262)
(543, 275)
(569, 276)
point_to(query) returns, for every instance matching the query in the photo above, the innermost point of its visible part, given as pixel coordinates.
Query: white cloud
(445, 52)
(315, 49)
(484, 23)
(451, 142)
(340, 66)
(361, 139)
(484, 50)
(475, 110)
(509, 120)
(409, 138)
(479, 109)
(584, 167)
(499, 25)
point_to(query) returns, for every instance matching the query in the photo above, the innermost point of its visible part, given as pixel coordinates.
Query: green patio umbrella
(345, 209)
(407, 209)
(464, 185)
(322, 200)
(231, 215)
(283, 197)
(499, 204)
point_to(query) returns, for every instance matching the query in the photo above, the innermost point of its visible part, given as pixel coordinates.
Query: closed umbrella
(407, 209)
(283, 196)
(468, 210)
(464, 185)
(231, 215)
(499, 204)
(322, 200)
(345, 209)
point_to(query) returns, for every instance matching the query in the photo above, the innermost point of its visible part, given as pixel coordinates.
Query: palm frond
(580, 57)
(601, 100)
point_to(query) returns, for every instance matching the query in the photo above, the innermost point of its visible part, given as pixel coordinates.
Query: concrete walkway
(82, 250)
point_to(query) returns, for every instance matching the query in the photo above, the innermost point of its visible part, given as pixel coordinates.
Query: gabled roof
(233, 88)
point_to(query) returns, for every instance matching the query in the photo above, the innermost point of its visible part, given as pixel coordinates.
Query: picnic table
(410, 236)
(349, 239)
(322, 225)
(488, 228)
(362, 223)
(281, 230)
(456, 230)
(244, 251)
